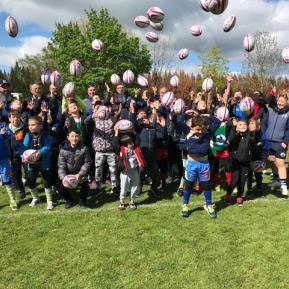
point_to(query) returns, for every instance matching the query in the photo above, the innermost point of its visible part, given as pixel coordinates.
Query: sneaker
(121, 206)
(228, 199)
(132, 205)
(185, 211)
(218, 188)
(274, 184)
(34, 202)
(284, 191)
(68, 204)
(50, 206)
(154, 193)
(210, 209)
(22, 195)
(240, 201)
(249, 193)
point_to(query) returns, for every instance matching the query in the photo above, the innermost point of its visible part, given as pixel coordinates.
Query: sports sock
(11, 194)
(228, 178)
(34, 193)
(208, 197)
(283, 182)
(186, 197)
(48, 195)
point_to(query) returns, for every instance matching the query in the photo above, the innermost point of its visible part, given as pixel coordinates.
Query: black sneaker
(154, 193)
(68, 204)
(22, 195)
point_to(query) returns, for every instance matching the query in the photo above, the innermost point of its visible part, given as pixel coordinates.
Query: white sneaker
(50, 206)
(284, 190)
(34, 202)
(274, 184)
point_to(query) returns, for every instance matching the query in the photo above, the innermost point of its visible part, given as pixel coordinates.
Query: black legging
(258, 177)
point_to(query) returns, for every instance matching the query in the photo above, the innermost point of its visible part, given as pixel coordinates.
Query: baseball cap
(3, 82)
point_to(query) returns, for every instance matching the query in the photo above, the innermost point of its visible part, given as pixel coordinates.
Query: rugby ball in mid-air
(249, 42)
(70, 182)
(229, 23)
(183, 53)
(142, 21)
(75, 68)
(247, 105)
(156, 14)
(128, 77)
(179, 106)
(56, 78)
(29, 156)
(69, 89)
(285, 54)
(222, 113)
(157, 26)
(97, 45)
(102, 112)
(115, 79)
(45, 76)
(218, 6)
(124, 125)
(196, 30)
(204, 5)
(174, 81)
(152, 37)
(258, 166)
(168, 99)
(142, 81)
(207, 84)
(11, 26)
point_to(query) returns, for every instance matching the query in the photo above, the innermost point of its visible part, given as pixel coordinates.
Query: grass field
(152, 247)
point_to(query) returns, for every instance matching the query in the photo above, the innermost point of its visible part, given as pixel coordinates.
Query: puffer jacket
(73, 160)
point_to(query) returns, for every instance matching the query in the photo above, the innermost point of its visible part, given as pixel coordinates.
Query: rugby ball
(29, 156)
(217, 6)
(124, 125)
(168, 99)
(157, 26)
(247, 105)
(70, 182)
(115, 79)
(258, 166)
(183, 53)
(222, 113)
(11, 26)
(152, 37)
(204, 5)
(179, 106)
(142, 81)
(128, 77)
(196, 30)
(97, 45)
(285, 54)
(207, 84)
(142, 21)
(156, 14)
(174, 81)
(56, 78)
(229, 23)
(45, 76)
(102, 112)
(69, 89)
(75, 68)
(249, 42)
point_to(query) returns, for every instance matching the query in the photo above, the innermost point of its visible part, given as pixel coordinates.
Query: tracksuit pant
(129, 182)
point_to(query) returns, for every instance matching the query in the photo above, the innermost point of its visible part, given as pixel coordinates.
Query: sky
(37, 18)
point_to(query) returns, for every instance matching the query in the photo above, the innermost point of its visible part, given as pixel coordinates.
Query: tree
(265, 60)
(73, 41)
(215, 64)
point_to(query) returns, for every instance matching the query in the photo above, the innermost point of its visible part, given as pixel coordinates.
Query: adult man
(91, 91)
(5, 99)
(55, 102)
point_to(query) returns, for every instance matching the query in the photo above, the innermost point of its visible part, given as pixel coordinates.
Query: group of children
(82, 138)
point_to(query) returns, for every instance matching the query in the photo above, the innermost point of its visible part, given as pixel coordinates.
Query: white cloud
(28, 45)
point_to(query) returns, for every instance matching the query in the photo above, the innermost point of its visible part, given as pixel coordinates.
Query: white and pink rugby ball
(29, 156)
(196, 30)
(69, 89)
(258, 166)
(207, 84)
(168, 99)
(152, 37)
(285, 55)
(204, 5)
(11, 26)
(183, 53)
(102, 112)
(229, 23)
(115, 79)
(217, 6)
(128, 77)
(247, 105)
(45, 76)
(174, 81)
(97, 45)
(157, 26)
(124, 125)
(222, 113)
(75, 68)
(249, 42)
(156, 14)
(179, 106)
(142, 81)
(142, 21)
(56, 78)
(70, 182)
